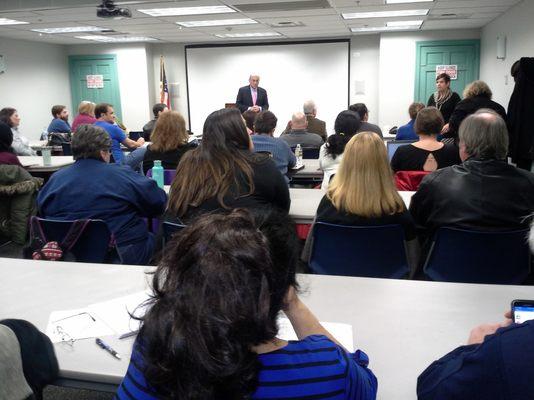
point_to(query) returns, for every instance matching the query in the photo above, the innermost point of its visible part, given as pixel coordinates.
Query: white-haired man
(252, 97)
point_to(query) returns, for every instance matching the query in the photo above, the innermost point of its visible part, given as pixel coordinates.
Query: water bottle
(157, 173)
(298, 154)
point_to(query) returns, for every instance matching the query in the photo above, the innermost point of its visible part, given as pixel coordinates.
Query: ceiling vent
(283, 6)
(286, 24)
(438, 17)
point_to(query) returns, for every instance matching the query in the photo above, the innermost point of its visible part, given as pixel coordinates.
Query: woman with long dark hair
(21, 144)
(223, 173)
(210, 332)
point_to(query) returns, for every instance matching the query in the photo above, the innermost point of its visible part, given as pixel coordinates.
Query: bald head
(254, 81)
(298, 121)
(484, 135)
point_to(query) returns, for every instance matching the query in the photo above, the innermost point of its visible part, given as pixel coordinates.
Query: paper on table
(75, 324)
(116, 313)
(342, 332)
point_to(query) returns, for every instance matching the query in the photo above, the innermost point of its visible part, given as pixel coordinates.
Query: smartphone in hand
(522, 310)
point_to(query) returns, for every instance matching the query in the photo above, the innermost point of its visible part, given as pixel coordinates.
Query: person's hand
(256, 109)
(478, 334)
(445, 129)
(291, 298)
(141, 141)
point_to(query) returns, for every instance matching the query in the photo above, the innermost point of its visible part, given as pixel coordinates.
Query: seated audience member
(363, 112)
(223, 173)
(477, 95)
(21, 144)
(299, 133)
(250, 116)
(330, 155)
(93, 189)
(315, 125)
(444, 99)
(169, 144)
(106, 119)
(407, 132)
(427, 154)
(86, 115)
(7, 156)
(264, 141)
(496, 363)
(157, 110)
(211, 328)
(483, 193)
(60, 123)
(362, 192)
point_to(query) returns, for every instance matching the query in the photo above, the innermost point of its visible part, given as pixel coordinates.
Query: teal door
(465, 54)
(106, 65)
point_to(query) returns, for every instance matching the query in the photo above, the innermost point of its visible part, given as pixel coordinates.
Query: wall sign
(95, 81)
(451, 70)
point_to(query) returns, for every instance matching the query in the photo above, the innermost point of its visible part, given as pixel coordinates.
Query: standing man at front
(252, 97)
(105, 116)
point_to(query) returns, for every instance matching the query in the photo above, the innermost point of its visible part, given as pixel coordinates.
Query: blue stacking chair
(67, 149)
(460, 255)
(168, 175)
(369, 251)
(95, 244)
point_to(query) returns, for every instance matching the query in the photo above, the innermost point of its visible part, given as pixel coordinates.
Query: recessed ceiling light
(384, 14)
(383, 28)
(252, 34)
(170, 12)
(217, 22)
(407, 1)
(7, 21)
(404, 23)
(70, 29)
(116, 39)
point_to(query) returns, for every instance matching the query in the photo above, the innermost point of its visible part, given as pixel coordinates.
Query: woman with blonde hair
(477, 95)
(363, 193)
(86, 115)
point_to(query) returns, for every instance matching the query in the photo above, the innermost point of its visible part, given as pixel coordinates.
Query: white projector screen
(291, 74)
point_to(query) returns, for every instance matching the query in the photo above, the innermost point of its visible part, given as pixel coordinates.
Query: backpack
(58, 138)
(41, 248)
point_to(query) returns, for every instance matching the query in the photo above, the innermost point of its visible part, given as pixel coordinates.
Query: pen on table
(108, 348)
(129, 334)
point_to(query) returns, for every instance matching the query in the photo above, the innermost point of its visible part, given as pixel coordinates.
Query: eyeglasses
(62, 333)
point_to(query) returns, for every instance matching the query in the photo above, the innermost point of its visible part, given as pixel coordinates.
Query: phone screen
(523, 311)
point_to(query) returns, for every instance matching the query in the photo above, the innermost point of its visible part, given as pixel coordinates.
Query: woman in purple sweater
(86, 115)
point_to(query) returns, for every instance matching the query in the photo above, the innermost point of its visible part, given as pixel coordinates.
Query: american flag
(163, 87)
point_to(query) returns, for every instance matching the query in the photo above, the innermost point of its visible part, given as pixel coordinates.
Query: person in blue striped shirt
(210, 331)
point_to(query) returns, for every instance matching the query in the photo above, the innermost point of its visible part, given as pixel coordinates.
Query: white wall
(364, 67)
(174, 55)
(37, 77)
(516, 25)
(396, 77)
(132, 68)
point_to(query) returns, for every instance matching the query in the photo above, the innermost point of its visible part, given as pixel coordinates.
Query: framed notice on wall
(95, 81)
(451, 70)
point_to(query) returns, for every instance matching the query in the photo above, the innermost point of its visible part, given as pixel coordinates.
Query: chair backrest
(309, 153)
(169, 229)
(67, 149)
(134, 135)
(393, 145)
(359, 251)
(168, 175)
(460, 255)
(93, 245)
(409, 180)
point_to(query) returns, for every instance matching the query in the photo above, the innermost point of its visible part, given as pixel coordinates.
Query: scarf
(441, 99)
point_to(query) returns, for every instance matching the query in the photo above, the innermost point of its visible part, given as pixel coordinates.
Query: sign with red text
(451, 70)
(95, 81)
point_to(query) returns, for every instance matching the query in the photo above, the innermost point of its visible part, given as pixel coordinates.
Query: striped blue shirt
(282, 155)
(313, 368)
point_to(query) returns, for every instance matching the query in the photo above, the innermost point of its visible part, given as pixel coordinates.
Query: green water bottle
(157, 173)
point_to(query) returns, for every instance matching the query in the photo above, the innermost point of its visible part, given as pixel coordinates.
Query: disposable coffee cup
(46, 151)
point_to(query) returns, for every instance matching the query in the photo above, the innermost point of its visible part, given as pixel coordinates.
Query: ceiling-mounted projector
(108, 9)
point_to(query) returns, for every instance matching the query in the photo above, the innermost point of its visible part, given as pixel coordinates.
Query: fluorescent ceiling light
(70, 29)
(383, 28)
(384, 14)
(407, 1)
(7, 21)
(116, 39)
(217, 22)
(170, 12)
(404, 23)
(252, 34)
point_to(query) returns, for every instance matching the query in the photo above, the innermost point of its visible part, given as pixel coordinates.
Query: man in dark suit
(252, 97)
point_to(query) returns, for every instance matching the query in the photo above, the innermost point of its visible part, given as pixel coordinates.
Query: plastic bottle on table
(298, 154)
(157, 173)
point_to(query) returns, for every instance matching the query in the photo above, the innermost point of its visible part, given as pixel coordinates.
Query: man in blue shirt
(91, 188)
(60, 123)
(105, 116)
(407, 132)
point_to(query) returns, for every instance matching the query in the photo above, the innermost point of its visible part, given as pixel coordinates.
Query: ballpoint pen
(108, 348)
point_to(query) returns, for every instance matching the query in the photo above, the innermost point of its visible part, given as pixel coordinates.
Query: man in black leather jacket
(483, 193)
